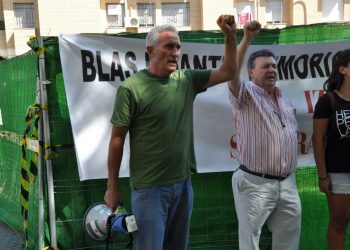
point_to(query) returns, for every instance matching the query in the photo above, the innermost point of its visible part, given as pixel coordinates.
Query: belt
(267, 176)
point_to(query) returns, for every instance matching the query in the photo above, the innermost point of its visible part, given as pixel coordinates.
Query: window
(332, 10)
(146, 14)
(273, 11)
(245, 11)
(115, 15)
(24, 15)
(177, 14)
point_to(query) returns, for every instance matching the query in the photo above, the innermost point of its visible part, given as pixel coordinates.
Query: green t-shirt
(159, 115)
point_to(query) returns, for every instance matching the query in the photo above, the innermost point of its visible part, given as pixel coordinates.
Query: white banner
(94, 65)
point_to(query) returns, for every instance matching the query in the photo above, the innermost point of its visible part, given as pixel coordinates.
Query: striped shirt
(266, 134)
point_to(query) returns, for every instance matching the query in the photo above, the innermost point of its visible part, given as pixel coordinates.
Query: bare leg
(339, 214)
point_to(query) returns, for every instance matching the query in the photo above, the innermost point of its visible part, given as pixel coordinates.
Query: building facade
(21, 19)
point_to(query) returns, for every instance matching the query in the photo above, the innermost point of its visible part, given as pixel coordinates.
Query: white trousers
(259, 200)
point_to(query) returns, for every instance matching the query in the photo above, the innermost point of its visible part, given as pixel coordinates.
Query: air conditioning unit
(131, 21)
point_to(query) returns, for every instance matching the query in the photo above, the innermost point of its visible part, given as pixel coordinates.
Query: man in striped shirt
(264, 186)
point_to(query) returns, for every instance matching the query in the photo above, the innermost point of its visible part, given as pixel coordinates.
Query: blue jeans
(163, 216)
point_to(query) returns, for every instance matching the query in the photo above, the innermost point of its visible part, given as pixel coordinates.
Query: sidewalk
(9, 238)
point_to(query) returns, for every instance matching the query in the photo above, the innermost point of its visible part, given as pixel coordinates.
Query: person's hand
(325, 186)
(251, 29)
(227, 24)
(113, 198)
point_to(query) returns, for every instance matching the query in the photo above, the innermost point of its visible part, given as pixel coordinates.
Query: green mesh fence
(213, 224)
(18, 79)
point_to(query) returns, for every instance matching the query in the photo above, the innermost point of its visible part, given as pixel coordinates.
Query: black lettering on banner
(87, 61)
(315, 62)
(318, 64)
(303, 72)
(185, 64)
(129, 57)
(285, 67)
(119, 71)
(197, 64)
(213, 60)
(102, 77)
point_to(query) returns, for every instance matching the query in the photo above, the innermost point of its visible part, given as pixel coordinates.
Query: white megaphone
(100, 223)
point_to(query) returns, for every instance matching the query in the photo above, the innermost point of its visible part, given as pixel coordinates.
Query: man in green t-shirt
(155, 106)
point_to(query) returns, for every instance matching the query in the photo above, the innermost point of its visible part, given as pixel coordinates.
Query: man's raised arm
(250, 30)
(228, 68)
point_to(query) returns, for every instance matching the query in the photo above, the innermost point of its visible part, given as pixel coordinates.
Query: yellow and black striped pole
(29, 171)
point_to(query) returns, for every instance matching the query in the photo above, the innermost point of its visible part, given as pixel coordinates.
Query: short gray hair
(152, 36)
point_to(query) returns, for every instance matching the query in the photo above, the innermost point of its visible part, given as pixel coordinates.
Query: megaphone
(100, 222)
